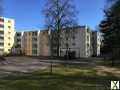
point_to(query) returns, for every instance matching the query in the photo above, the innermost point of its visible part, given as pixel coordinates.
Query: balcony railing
(1, 26)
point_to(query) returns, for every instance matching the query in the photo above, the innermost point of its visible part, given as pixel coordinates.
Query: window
(87, 38)
(87, 30)
(9, 21)
(73, 44)
(34, 45)
(18, 40)
(1, 44)
(1, 32)
(34, 33)
(1, 38)
(1, 20)
(17, 46)
(34, 51)
(73, 37)
(66, 38)
(18, 34)
(9, 44)
(66, 44)
(9, 27)
(9, 38)
(1, 26)
(34, 39)
(88, 45)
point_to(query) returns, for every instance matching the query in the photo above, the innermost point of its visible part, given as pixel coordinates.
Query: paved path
(77, 61)
(14, 65)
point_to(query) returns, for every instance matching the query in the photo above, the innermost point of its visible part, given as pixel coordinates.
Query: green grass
(64, 77)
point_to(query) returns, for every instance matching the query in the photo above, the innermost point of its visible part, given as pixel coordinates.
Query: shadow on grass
(64, 77)
(45, 81)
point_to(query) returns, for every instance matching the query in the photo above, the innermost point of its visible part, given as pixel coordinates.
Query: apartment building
(33, 43)
(77, 40)
(44, 43)
(96, 42)
(6, 35)
(18, 43)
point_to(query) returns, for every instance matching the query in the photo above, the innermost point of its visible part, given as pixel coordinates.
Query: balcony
(1, 21)
(1, 29)
(1, 35)
(2, 32)
(1, 26)
(1, 44)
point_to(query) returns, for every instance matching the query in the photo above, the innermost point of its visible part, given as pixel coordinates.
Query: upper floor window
(9, 50)
(1, 44)
(9, 27)
(18, 34)
(34, 51)
(9, 44)
(1, 38)
(18, 40)
(73, 37)
(1, 32)
(1, 20)
(66, 38)
(9, 21)
(1, 26)
(73, 44)
(34, 45)
(34, 33)
(88, 31)
(88, 45)
(34, 39)
(87, 38)
(9, 38)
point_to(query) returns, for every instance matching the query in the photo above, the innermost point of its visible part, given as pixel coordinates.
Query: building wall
(1, 36)
(7, 28)
(28, 43)
(96, 43)
(80, 44)
(35, 43)
(44, 43)
(80, 41)
(17, 48)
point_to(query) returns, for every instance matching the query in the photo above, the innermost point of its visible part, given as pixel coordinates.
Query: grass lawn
(64, 77)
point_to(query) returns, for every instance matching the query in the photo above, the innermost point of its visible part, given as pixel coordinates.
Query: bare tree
(59, 14)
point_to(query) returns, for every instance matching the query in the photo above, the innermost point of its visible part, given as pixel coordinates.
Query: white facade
(6, 35)
(96, 42)
(79, 42)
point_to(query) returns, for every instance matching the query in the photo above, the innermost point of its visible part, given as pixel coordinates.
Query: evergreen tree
(110, 27)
